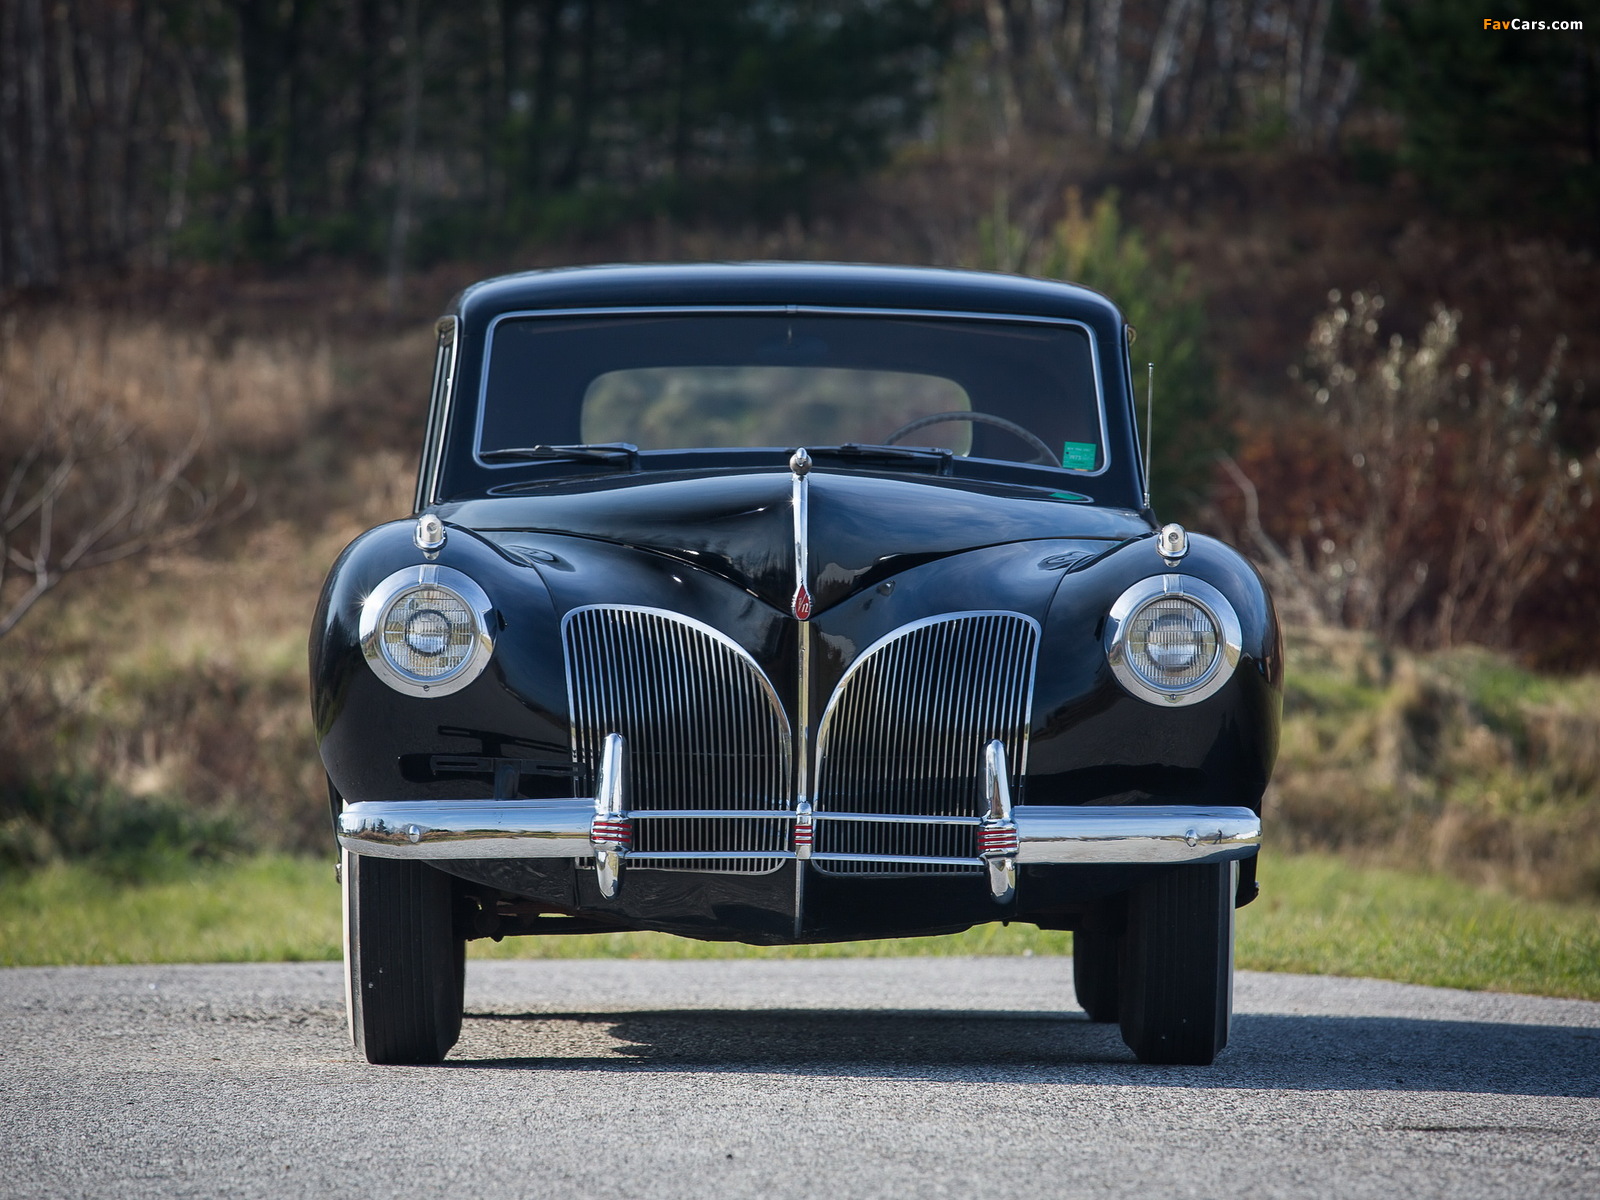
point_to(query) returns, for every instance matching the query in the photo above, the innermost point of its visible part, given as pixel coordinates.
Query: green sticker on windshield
(1078, 456)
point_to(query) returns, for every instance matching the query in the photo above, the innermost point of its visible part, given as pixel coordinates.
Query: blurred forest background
(1357, 238)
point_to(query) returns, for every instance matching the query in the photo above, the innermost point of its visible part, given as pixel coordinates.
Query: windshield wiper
(620, 453)
(869, 452)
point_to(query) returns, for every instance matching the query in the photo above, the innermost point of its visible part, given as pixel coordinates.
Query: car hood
(862, 527)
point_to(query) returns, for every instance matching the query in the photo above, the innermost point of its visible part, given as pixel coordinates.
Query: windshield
(1012, 391)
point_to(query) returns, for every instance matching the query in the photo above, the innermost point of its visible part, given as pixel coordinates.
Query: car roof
(762, 284)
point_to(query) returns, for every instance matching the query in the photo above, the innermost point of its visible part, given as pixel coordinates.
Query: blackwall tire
(1177, 965)
(1095, 973)
(404, 964)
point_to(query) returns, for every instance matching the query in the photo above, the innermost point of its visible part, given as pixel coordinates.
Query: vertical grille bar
(705, 727)
(904, 734)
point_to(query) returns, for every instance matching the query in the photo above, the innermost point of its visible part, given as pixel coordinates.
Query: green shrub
(1093, 248)
(125, 837)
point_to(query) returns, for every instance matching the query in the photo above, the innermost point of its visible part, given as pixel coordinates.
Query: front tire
(405, 966)
(1095, 971)
(1177, 965)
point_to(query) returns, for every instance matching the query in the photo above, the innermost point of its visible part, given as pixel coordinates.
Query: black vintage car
(792, 603)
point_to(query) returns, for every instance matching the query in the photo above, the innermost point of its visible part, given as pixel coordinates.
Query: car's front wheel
(405, 966)
(1177, 965)
(1095, 970)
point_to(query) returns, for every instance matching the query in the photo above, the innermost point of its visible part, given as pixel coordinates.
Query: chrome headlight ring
(427, 630)
(1207, 626)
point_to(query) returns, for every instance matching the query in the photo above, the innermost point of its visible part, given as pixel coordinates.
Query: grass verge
(1318, 914)
(269, 909)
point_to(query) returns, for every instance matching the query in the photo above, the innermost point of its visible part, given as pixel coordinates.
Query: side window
(444, 372)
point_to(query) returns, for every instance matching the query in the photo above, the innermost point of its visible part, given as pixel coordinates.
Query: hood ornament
(800, 469)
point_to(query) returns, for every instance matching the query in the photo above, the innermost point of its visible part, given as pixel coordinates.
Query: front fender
(1095, 743)
(376, 741)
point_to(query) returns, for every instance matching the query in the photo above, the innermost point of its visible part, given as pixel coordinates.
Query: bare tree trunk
(1108, 27)
(1060, 48)
(98, 142)
(400, 229)
(128, 77)
(1311, 84)
(366, 105)
(551, 41)
(496, 37)
(1230, 36)
(290, 199)
(583, 104)
(1182, 109)
(192, 132)
(42, 217)
(1162, 56)
(682, 68)
(258, 43)
(1331, 113)
(1293, 61)
(15, 249)
(1003, 57)
(73, 185)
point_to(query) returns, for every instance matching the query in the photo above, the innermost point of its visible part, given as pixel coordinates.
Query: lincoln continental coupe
(788, 604)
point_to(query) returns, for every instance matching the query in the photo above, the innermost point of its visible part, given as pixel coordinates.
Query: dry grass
(181, 675)
(1457, 762)
(255, 396)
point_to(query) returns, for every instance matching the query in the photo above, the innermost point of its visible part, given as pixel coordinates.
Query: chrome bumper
(602, 829)
(468, 828)
(429, 829)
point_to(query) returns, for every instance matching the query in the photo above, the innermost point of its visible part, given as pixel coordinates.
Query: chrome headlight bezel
(394, 589)
(1202, 595)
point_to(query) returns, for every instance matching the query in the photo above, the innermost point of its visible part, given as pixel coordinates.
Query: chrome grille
(704, 729)
(904, 735)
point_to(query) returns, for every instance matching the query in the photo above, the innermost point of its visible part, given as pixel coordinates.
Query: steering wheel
(1046, 455)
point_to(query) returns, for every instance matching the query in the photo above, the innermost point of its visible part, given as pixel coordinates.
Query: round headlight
(1172, 639)
(427, 631)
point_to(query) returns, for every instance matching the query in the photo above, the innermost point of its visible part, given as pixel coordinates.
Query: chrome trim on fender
(1230, 637)
(382, 598)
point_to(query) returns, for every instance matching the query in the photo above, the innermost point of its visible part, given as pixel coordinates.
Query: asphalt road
(828, 1078)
